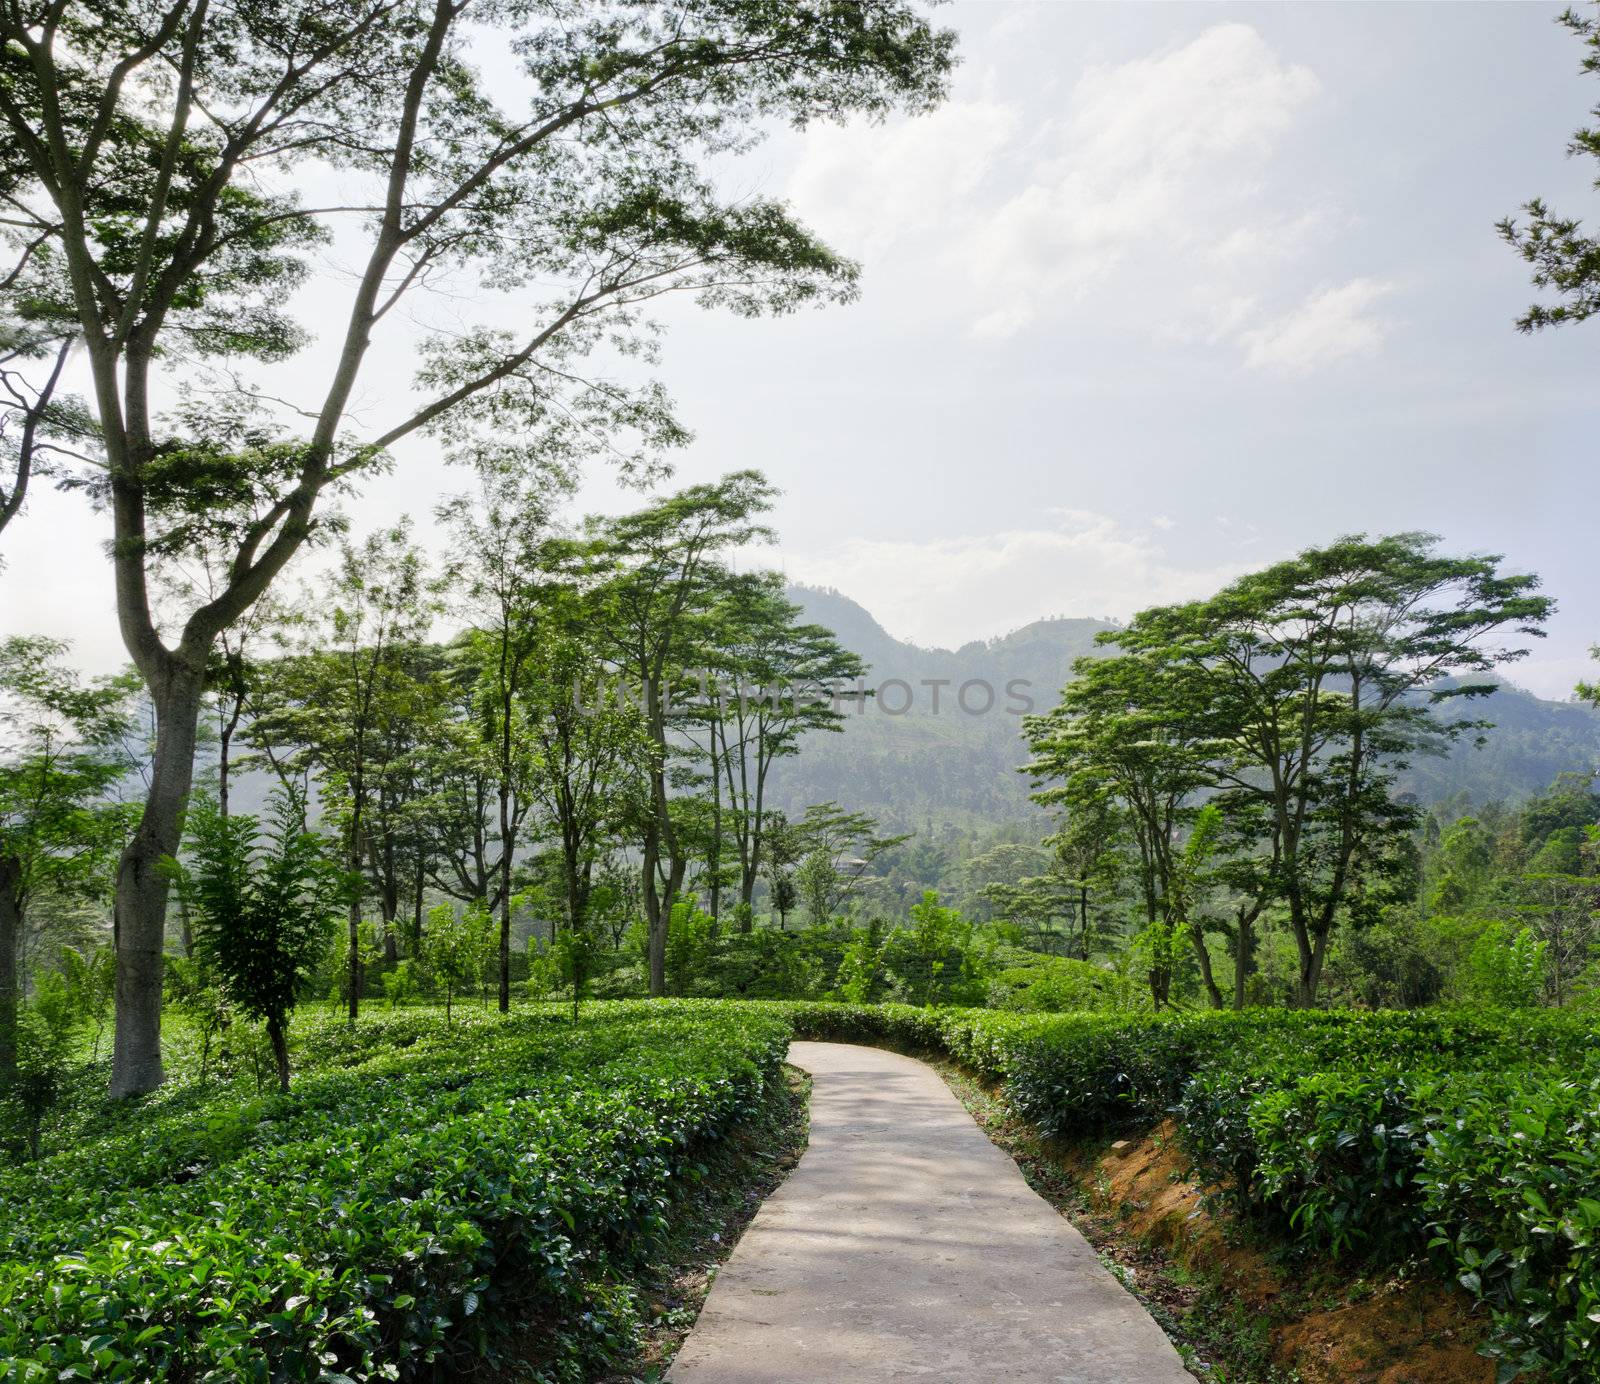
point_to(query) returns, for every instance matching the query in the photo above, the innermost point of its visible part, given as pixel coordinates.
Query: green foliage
(690, 935)
(262, 909)
(91, 981)
(1059, 984)
(1505, 968)
(423, 1191)
(817, 884)
(400, 985)
(457, 946)
(934, 933)
(1564, 259)
(47, 1027)
(1285, 707)
(860, 970)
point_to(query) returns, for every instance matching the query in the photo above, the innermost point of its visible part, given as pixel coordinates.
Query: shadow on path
(907, 1247)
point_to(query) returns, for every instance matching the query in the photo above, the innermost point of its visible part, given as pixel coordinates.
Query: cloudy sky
(1163, 293)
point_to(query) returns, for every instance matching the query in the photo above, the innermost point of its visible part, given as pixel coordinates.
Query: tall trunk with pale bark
(10, 981)
(507, 841)
(140, 916)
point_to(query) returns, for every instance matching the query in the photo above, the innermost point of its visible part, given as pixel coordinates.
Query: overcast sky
(1163, 293)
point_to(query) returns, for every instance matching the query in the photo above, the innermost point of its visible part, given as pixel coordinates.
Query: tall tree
(775, 678)
(1564, 259)
(61, 754)
(506, 540)
(588, 756)
(151, 163)
(347, 689)
(1318, 677)
(649, 614)
(1126, 741)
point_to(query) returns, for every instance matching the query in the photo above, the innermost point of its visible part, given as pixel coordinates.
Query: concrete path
(906, 1246)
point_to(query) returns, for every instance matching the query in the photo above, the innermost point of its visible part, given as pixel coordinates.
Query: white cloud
(1154, 187)
(1332, 324)
(948, 591)
(869, 187)
(1155, 151)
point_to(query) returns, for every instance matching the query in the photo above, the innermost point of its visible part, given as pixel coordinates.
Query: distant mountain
(960, 766)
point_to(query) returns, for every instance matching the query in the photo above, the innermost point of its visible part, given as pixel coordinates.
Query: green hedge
(1469, 1137)
(421, 1189)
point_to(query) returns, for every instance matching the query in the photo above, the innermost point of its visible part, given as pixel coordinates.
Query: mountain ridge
(923, 764)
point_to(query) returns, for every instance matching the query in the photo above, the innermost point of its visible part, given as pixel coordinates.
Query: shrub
(418, 1191)
(1055, 985)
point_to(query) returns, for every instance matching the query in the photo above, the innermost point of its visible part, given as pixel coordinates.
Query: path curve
(906, 1246)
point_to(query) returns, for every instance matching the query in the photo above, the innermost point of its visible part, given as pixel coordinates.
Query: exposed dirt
(1241, 1308)
(1410, 1332)
(1143, 1182)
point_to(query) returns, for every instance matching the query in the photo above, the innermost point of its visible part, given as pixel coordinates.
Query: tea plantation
(426, 1189)
(423, 1188)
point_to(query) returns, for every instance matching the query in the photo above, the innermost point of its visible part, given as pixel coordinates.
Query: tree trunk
(416, 902)
(279, 1038)
(225, 733)
(1202, 954)
(1244, 951)
(353, 864)
(506, 835)
(1311, 979)
(139, 922)
(353, 974)
(655, 918)
(577, 895)
(10, 987)
(1241, 963)
(716, 835)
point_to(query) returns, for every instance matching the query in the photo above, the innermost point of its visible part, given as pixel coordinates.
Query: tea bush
(420, 1190)
(1470, 1137)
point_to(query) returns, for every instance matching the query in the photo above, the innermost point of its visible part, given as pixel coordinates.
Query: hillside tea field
(1469, 1139)
(423, 1188)
(427, 1189)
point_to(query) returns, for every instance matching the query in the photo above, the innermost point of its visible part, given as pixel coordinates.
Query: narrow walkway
(906, 1246)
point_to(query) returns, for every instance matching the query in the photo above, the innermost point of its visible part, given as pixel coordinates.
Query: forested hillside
(950, 766)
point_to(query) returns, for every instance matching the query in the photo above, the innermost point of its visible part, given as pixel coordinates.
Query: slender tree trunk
(139, 923)
(1304, 984)
(225, 733)
(386, 879)
(1202, 954)
(1311, 975)
(1241, 963)
(655, 917)
(574, 883)
(716, 846)
(1244, 952)
(507, 833)
(278, 1036)
(416, 902)
(354, 978)
(10, 985)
